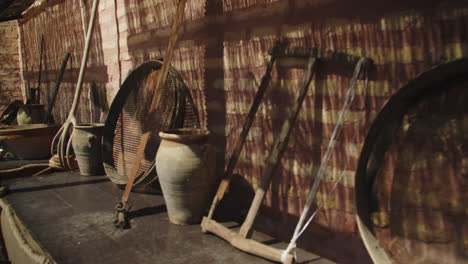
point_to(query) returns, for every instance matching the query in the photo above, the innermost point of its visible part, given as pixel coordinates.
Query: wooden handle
(224, 185)
(319, 53)
(277, 152)
(84, 61)
(57, 85)
(246, 128)
(157, 91)
(244, 244)
(38, 94)
(139, 155)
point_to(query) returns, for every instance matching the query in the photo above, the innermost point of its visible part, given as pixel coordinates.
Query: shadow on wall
(222, 55)
(60, 38)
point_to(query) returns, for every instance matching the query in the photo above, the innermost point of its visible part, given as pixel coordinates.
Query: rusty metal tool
(121, 220)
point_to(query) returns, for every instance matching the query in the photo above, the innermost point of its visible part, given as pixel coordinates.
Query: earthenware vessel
(86, 142)
(185, 165)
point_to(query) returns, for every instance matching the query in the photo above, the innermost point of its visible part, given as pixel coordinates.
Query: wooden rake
(61, 144)
(121, 220)
(242, 240)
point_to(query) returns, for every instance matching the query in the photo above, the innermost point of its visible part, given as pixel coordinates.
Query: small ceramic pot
(86, 142)
(30, 114)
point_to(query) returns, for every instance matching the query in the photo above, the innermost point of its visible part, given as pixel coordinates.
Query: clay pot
(185, 165)
(30, 114)
(86, 142)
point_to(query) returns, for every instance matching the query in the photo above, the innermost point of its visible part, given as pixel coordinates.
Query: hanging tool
(57, 85)
(241, 240)
(121, 220)
(62, 140)
(34, 93)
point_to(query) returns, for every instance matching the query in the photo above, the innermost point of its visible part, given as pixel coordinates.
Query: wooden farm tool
(278, 149)
(57, 85)
(121, 220)
(62, 140)
(224, 185)
(242, 239)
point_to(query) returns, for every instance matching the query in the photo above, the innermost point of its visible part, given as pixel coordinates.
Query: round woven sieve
(128, 114)
(411, 178)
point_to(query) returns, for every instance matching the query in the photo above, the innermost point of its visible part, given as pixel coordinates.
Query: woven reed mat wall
(222, 54)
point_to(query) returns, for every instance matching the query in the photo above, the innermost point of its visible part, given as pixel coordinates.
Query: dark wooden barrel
(411, 183)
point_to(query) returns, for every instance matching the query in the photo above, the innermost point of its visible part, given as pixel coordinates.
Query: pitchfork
(62, 140)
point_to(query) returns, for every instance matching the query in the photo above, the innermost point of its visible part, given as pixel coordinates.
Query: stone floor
(71, 217)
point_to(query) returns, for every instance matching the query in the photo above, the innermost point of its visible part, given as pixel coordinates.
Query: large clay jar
(185, 165)
(86, 142)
